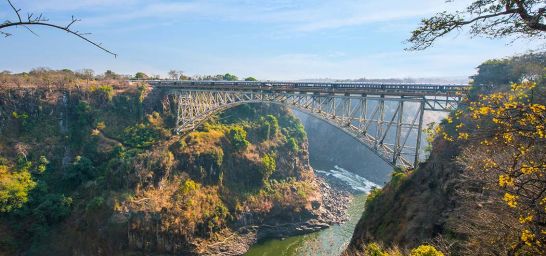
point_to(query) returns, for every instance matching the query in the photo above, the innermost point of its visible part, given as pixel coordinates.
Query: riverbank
(335, 198)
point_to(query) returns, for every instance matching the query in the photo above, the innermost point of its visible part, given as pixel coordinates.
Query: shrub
(141, 136)
(53, 208)
(425, 250)
(269, 165)
(398, 175)
(94, 203)
(237, 137)
(14, 188)
(43, 162)
(373, 249)
(293, 145)
(269, 126)
(81, 170)
(374, 193)
(105, 91)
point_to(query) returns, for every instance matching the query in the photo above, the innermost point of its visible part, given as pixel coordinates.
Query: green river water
(330, 241)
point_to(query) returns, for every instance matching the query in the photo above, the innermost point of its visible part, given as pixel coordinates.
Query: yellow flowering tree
(505, 138)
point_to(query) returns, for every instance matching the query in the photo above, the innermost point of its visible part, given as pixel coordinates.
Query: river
(330, 241)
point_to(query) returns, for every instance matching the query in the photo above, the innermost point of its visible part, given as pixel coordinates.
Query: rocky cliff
(104, 175)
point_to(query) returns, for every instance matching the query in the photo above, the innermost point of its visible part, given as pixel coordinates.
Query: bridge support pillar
(419, 133)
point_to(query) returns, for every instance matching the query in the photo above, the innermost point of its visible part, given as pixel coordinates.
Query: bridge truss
(390, 125)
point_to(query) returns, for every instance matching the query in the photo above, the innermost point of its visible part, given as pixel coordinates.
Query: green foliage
(269, 165)
(94, 203)
(269, 126)
(373, 249)
(141, 75)
(19, 116)
(141, 136)
(374, 193)
(52, 208)
(237, 137)
(14, 188)
(230, 77)
(425, 250)
(189, 186)
(104, 91)
(491, 18)
(250, 79)
(43, 162)
(81, 170)
(293, 145)
(83, 110)
(398, 176)
(22, 119)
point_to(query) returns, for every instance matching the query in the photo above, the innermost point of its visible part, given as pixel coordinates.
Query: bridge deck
(388, 89)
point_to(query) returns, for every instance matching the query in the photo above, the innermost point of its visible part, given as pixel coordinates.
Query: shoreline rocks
(336, 199)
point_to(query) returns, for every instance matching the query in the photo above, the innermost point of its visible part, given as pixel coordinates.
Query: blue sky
(275, 39)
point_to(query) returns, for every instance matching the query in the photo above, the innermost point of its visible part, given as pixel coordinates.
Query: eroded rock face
(418, 210)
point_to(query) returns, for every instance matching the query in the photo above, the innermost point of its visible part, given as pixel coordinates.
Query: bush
(398, 176)
(14, 188)
(293, 145)
(269, 126)
(269, 165)
(53, 208)
(425, 250)
(105, 91)
(81, 170)
(141, 136)
(374, 193)
(373, 249)
(94, 203)
(237, 137)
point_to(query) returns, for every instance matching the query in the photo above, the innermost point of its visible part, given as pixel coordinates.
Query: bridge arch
(380, 123)
(383, 117)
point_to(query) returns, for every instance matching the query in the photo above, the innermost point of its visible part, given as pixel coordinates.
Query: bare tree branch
(492, 18)
(41, 21)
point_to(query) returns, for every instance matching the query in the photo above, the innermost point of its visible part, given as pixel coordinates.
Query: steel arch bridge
(386, 118)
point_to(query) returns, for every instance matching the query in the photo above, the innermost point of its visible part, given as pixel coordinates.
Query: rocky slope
(107, 176)
(458, 199)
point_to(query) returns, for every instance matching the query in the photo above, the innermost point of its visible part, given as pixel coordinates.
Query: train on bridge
(319, 85)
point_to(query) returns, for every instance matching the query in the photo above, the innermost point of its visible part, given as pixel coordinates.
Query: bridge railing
(410, 87)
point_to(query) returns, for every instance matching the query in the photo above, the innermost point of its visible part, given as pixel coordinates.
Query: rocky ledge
(336, 199)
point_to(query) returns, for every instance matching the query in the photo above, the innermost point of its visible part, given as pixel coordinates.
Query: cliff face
(414, 209)
(109, 177)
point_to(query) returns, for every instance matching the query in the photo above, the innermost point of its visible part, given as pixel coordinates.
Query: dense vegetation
(482, 190)
(91, 164)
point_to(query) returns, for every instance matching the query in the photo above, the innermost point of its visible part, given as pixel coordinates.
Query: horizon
(279, 40)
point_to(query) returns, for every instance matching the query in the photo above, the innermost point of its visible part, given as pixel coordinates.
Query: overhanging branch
(41, 21)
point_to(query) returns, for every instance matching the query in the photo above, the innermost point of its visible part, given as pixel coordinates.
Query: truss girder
(382, 123)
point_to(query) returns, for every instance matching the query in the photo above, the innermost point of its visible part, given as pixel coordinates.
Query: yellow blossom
(511, 200)
(505, 180)
(527, 237)
(526, 219)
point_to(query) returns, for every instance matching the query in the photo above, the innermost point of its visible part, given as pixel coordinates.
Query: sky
(273, 39)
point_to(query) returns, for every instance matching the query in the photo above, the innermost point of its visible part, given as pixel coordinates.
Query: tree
(505, 134)
(109, 74)
(33, 20)
(489, 18)
(250, 79)
(141, 76)
(86, 73)
(14, 188)
(237, 137)
(230, 77)
(175, 74)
